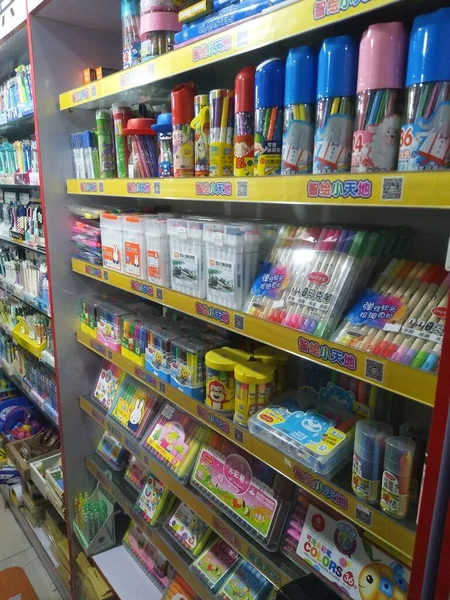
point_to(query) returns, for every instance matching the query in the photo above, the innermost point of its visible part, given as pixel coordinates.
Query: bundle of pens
(158, 353)
(215, 563)
(244, 579)
(178, 589)
(85, 154)
(221, 109)
(109, 379)
(86, 234)
(402, 315)
(28, 275)
(174, 440)
(109, 323)
(244, 488)
(313, 273)
(16, 95)
(134, 338)
(131, 43)
(7, 349)
(39, 379)
(89, 515)
(155, 501)
(141, 138)
(112, 452)
(134, 405)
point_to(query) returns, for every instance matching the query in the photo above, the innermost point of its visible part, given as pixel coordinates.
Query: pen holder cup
(23, 340)
(105, 538)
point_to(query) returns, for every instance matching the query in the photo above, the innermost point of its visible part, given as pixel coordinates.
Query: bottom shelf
(40, 543)
(125, 577)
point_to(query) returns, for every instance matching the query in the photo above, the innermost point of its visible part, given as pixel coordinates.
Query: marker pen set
(134, 405)
(18, 159)
(147, 555)
(112, 452)
(136, 474)
(16, 95)
(86, 234)
(21, 219)
(154, 502)
(89, 515)
(40, 380)
(188, 529)
(402, 316)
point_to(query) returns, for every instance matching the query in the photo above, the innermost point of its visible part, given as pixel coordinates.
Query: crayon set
(188, 529)
(402, 315)
(251, 493)
(253, 390)
(154, 502)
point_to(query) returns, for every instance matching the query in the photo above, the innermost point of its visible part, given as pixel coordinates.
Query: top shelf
(272, 26)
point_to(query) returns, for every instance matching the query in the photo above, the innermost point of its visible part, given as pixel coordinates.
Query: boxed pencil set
(215, 563)
(108, 382)
(136, 474)
(154, 501)
(244, 581)
(188, 530)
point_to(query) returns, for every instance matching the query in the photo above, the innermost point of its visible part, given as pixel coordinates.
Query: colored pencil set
(402, 316)
(188, 529)
(221, 109)
(108, 381)
(133, 406)
(112, 452)
(136, 474)
(154, 502)
(178, 589)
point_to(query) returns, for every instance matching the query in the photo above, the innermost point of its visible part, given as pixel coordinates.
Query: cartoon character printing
(116, 255)
(382, 582)
(168, 443)
(434, 143)
(297, 148)
(333, 145)
(185, 375)
(136, 415)
(306, 427)
(201, 162)
(217, 394)
(158, 359)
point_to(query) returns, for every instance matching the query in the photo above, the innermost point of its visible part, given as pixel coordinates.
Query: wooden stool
(15, 585)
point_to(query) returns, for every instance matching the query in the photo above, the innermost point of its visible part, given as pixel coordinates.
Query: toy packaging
(134, 405)
(247, 490)
(136, 474)
(154, 501)
(108, 381)
(188, 529)
(318, 434)
(113, 452)
(244, 582)
(147, 555)
(215, 563)
(336, 550)
(174, 440)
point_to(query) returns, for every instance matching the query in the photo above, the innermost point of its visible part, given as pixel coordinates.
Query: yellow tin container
(254, 381)
(220, 366)
(269, 355)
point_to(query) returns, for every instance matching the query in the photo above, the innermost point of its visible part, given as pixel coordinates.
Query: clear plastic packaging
(318, 435)
(154, 502)
(112, 452)
(158, 33)
(253, 389)
(174, 440)
(231, 258)
(215, 563)
(147, 555)
(131, 45)
(88, 314)
(221, 110)
(109, 324)
(158, 251)
(136, 474)
(271, 356)
(397, 472)
(141, 139)
(111, 226)
(188, 530)
(244, 581)
(158, 353)
(244, 488)
(134, 338)
(187, 256)
(108, 382)
(134, 253)
(134, 405)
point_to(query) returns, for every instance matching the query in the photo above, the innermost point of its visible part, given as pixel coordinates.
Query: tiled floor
(16, 551)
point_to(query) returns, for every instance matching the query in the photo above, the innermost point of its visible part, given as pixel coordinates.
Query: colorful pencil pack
(154, 563)
(109, 324)
(174, 440)
(402, 315)
(154, 501)
(188, 529)
(396, 481)
(134, 338)
(108, 382)
(317, 433)
(112, 452)
(247, 490)
(136, 474)
(338, 552)
(245, 581)
(158, 353)
(134, 406)
(215, 563)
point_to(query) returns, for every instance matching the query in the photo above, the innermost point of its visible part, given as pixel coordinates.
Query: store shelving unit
(64, 39)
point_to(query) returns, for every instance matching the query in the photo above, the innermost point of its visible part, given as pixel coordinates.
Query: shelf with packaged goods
(273, 565)
(18, 128)
(394, 536)
(21, 244)
(123, 495)
(272, 26)
(412, 190)
(46, 359)
(395, 377)
(9, 288)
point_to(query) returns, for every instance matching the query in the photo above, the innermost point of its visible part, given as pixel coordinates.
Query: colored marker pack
(136, 474)
(188, 529)
(174, 440)
(336, 550)
(134, 405)
(318, 434)
(154, 563)
(215, 563)
(248, 491)
(112, 452)
(402, 315)
(154, 501)
(245, 581)
(108, 382)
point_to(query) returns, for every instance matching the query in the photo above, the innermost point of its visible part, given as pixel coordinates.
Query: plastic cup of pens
(158, 33)
(221, 109)
(94, 522)
(143, 162)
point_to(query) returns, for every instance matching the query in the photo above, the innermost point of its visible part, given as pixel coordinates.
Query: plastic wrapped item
(187, 256)
(147, 555)
(273, 357)
(178, 589)
(86, 235)
(158, 33)
(188, 529)
(221, 109)
(136, 474)
(155, 501)
(107, 165)
(182, 103)
(215, 564)
(112, 452)
(220, 384)
(245, 489)
(419, 433)
(121, 116)
(131, 45)
(109, 324)
(88, 315)
(397, 471)
(134, 338)
(201, 126)
(187, 369)
(158, 353)
(174, 440)
(244, 122)
(245, 581)
(253, 389)
(231, 258)
(141, 139)
(134, 405)
(317, 434)
(111, 226)
(108, 382)
(134, 254)
(158, 251)
(358, 564)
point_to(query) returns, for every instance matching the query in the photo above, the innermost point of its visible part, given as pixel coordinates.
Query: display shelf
(13, 291)
(28, 392)
(45, 359)
(126, 578)
(125, 496)
(275, 25)
(38, 539)
(22, 244)
(396, 537)
(18, 128)
(277, 569)
(395, 377)
(404, 190)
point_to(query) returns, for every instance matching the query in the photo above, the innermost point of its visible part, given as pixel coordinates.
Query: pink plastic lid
(159, 21)
(382, 57)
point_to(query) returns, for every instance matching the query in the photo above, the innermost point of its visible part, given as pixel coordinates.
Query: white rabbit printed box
(133, 406)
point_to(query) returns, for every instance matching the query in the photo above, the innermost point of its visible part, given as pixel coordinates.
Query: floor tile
(12, 538)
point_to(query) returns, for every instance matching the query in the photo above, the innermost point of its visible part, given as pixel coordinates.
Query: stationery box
(188, 530)
(317, 434)
(108, 382)
(245, 581)
(154, 502)
(215, 563)
(136, 474)
(147, 555)
(112, 452)
(202, 8)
